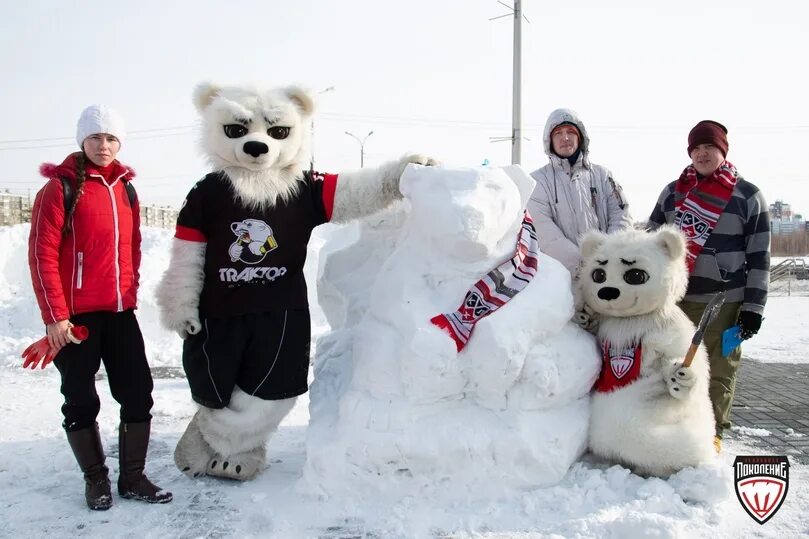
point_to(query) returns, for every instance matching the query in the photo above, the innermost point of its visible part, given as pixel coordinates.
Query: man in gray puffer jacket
(572, 195)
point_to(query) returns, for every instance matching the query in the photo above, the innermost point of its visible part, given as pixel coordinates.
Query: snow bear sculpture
(235, 288)
(395, 408)
(649, 413)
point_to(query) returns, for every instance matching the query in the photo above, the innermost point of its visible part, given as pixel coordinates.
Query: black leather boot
(86, 446)
(133, 441)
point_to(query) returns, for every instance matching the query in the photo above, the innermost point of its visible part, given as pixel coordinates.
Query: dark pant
(115, 339)
(265, 354)
(724, 369)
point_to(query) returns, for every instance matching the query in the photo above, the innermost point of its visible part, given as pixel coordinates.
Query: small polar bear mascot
(648, 412)
(235, 288)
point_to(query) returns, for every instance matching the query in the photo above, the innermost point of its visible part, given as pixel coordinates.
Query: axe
(708, 315)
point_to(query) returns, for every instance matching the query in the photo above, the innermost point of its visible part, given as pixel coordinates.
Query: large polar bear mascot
(235, 289)
(649, 412)
(395, 408)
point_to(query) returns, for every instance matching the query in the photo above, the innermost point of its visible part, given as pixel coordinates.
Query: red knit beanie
(709, 132)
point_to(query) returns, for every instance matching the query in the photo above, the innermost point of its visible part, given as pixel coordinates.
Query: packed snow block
(395, 408)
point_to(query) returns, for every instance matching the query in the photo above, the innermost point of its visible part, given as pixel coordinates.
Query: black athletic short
(265, 354)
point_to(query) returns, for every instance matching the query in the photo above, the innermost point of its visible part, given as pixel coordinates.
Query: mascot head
(633, 272)
(260, 138)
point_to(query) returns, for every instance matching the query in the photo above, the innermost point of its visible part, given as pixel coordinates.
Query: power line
(163, 132)
(136, 132)
(72, 144)
(472, 123)
(141, 180)
(414, 121)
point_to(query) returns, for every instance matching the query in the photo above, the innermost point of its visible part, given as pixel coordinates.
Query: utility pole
(516, 111)
(516, 97)
(362, 145)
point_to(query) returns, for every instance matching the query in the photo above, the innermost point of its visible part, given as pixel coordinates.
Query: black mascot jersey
(254, 258)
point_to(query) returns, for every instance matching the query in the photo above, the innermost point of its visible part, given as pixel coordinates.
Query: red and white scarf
(495, 289)
(699, 203)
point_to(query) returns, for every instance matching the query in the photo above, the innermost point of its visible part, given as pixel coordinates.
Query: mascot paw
(585, 320)
(188, 327)
(418, 159)
(241, 466)
(680, 380)
(192, 454)
(584, 316)
(421, 159)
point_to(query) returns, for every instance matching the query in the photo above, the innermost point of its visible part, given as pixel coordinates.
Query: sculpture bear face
(471, 214)
(633, 272)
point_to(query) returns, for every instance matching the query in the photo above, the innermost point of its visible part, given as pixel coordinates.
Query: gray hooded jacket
(570, 200)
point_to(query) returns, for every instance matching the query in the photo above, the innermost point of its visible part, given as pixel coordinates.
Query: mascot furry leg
(235, 440)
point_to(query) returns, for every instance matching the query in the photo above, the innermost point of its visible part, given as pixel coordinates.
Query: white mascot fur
(655, 417)
(257, 141)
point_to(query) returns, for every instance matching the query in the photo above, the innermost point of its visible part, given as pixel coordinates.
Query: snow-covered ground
(41, 491)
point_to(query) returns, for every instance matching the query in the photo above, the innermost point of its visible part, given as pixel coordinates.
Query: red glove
(41, 351)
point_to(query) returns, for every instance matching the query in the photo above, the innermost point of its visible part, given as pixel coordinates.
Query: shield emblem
(761, 484)
(622, 363)
(473, 307)
(692, 226)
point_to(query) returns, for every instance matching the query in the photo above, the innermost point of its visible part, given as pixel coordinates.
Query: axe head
(710, 312)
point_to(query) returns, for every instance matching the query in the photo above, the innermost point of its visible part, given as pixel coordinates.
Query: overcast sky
(426, 75)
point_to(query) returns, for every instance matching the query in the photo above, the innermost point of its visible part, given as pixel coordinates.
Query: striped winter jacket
(736, 256)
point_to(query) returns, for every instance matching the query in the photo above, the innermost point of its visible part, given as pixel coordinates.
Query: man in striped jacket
(726, 223)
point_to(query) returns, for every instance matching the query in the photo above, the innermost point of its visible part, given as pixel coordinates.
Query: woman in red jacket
(84, 255)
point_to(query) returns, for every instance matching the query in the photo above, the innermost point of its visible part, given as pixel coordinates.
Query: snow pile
(750, 431)
(20, 321)
(20, 318)
(394, 408)
(784, 315)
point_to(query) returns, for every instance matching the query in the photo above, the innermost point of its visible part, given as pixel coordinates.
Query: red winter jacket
(95, 266)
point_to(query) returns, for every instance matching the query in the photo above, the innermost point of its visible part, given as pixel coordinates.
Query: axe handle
(689, 356)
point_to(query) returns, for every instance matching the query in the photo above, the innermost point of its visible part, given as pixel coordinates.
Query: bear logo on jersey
(254, 239)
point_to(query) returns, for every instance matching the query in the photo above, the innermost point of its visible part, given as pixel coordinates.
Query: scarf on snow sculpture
(495, 289)
(698, 210)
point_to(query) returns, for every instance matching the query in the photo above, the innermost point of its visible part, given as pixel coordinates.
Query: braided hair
(81, 161)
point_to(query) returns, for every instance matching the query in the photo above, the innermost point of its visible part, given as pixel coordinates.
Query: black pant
(265, 354)
(115, 338)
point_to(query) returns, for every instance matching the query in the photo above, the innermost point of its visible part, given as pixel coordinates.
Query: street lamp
(312, 132)
(362, 145)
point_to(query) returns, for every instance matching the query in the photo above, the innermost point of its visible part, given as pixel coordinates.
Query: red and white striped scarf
(495, 289)
(699, 203)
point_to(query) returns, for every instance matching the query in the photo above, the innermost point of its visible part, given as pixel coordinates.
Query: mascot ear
(672, 241)
(302, 98)
(591, 241)
(204, 93)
